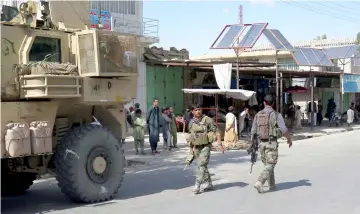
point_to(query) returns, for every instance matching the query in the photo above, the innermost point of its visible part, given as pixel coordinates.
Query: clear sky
(195, 25)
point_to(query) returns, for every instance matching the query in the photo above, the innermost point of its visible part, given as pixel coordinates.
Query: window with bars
(127, 7)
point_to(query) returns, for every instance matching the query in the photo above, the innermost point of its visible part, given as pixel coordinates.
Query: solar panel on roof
(273, 40)
(311, 57)
(282, 39)
(323, 59)
(230, 36)
(341, 52)
(252, 35)
(299, 57)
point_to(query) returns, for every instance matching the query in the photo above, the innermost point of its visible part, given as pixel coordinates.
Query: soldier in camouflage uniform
(202, 133)
(268, 126)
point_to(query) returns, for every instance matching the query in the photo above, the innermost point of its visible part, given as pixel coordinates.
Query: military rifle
(254, 146)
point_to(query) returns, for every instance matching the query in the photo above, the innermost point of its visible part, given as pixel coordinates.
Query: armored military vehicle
(57, 76)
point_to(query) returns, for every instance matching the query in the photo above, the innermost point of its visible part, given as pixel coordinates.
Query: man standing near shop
(267, 127)
(152, 120)
(173, 128)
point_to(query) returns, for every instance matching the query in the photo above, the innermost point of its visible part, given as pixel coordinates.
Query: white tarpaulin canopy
(223, 75)
(238, 94)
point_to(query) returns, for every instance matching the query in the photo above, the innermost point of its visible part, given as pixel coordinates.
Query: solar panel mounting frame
(242, 30)
(256, 38)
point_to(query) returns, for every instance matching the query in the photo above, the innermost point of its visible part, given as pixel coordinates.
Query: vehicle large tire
(89, 164)
(16, 184)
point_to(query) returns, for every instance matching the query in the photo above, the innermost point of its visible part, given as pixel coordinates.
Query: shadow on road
(293, 184)
(230, 185)
(45, 196)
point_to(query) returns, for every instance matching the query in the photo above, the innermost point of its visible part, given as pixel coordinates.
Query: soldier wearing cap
(267, 127)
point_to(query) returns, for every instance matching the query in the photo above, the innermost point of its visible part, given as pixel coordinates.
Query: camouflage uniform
(202, 152)
(268, 148)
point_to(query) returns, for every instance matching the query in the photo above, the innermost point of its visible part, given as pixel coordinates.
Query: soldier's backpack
(266, 127)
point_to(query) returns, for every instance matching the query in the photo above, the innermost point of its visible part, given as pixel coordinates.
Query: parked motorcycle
(336, 118)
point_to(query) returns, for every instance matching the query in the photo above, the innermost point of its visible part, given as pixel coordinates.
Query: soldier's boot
(196, 189)
(209, 186)
(259, 187)
(137, 152)
(272, 188)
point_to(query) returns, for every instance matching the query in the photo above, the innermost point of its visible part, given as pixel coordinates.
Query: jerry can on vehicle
(41, 138)
(17, 139)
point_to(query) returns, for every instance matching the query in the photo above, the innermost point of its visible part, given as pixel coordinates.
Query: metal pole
(237, 70)
(312, 99)
(342, 91)
(281, 93)
(277, 81)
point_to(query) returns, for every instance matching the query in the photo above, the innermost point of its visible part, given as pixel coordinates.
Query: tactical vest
(200, 133)
(267, 127)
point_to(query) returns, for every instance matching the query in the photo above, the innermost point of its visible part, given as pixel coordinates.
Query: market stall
(238, 94)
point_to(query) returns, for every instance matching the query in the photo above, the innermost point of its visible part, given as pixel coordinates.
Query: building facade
(127, 17)
(266, 53)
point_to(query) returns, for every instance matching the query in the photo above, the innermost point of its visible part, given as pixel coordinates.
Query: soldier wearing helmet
(202, 133)
(267, 127)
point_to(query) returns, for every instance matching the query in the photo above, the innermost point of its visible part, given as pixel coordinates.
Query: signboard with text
(351, 83)
(120, 23)
(105, 18)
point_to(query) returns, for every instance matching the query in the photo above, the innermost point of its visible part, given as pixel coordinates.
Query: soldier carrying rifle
(202, 133)
(267, 127)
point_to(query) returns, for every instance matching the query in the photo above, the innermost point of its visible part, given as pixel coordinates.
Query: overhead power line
(342, 6)
(323, 12)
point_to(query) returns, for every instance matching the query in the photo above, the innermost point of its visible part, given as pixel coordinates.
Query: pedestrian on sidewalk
(173, 128)
(319, 115)
(242, 116)
(165, 122)
(267, 126)
(309, 111)
(139, 131)
(231, 130)
(350, 115)
(152, 119)
(298, 118)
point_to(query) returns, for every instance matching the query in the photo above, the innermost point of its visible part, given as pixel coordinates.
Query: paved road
(319, 175)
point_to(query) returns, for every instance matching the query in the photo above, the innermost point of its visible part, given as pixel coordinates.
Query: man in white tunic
(350, 115)
(231, 130)
(242, 120)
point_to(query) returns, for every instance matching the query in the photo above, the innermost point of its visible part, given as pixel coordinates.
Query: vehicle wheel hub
(98, 165)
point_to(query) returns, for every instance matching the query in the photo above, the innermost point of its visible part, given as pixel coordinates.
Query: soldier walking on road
(268, 126)
(203, 133)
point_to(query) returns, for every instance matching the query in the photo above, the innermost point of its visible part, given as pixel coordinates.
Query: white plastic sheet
(238, 94)
(223, 75)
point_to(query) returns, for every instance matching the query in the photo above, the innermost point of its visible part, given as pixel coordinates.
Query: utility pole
(241, 21)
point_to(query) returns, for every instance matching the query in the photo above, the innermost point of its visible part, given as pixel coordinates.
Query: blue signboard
(105, 18)
(351, 83)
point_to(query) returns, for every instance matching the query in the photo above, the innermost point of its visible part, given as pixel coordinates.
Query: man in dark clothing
(152, 119)
(188, 116)
(319, 115)
(331, 107)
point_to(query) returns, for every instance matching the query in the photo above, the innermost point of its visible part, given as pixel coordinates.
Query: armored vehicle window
(45, 48)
